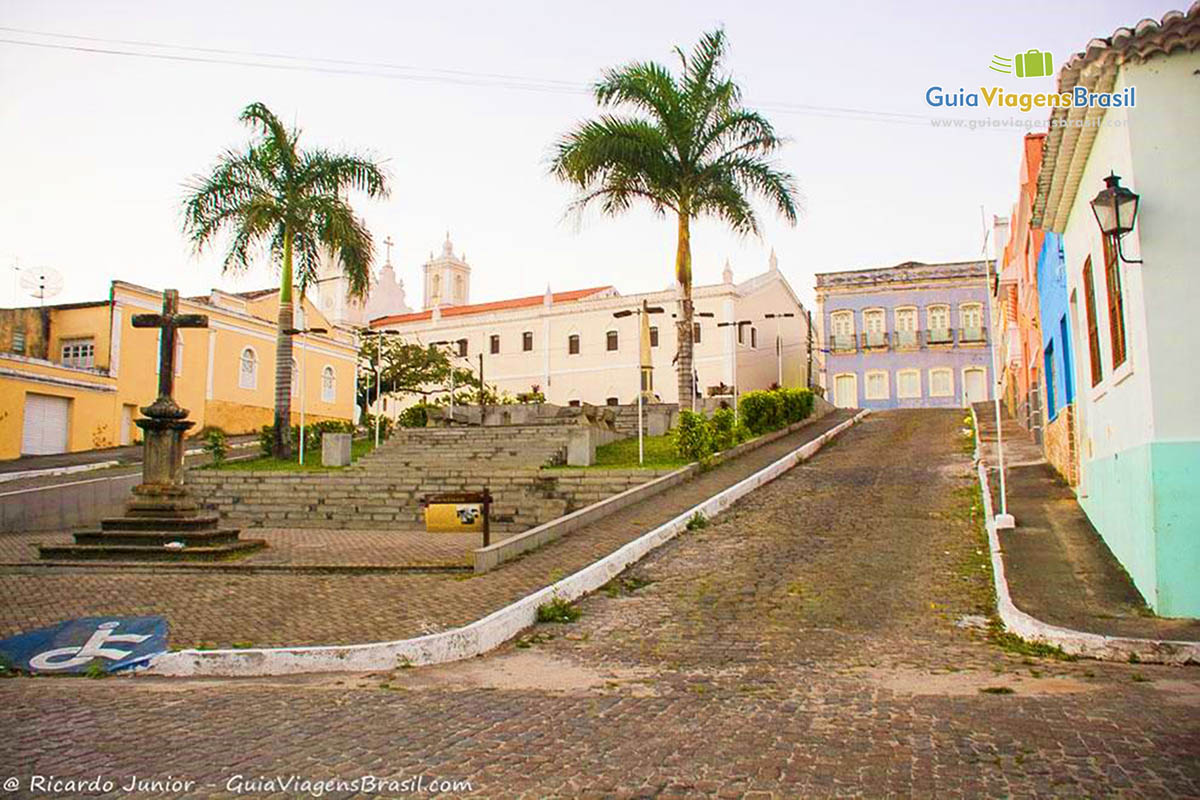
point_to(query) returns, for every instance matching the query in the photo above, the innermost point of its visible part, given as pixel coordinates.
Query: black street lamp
(1116, 208)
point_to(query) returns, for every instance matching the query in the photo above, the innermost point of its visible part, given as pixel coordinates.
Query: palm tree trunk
(683, 274)
(283, 358)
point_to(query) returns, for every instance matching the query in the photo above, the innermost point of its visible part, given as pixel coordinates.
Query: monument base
(162, 521)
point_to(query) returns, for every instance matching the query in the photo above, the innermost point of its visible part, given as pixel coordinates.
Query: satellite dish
(41, 283)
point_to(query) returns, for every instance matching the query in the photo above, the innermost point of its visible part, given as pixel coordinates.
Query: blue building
(909, 336)
(1058, 358)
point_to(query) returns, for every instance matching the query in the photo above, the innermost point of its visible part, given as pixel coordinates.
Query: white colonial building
(573, 349)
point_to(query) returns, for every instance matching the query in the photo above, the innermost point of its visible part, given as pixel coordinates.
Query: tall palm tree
(691, 149)
(272, 194)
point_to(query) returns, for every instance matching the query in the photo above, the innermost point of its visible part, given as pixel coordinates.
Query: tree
(273, 195)
(406, 368)
(691, 149)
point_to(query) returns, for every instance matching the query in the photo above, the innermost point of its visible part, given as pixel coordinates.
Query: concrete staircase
(384, 489)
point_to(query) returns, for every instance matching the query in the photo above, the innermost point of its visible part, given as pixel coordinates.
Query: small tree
(406, 368)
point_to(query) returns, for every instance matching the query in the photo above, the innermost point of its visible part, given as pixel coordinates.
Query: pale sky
(96, 147)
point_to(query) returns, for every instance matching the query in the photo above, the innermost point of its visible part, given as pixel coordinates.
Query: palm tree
(692, 150)
(290, 201)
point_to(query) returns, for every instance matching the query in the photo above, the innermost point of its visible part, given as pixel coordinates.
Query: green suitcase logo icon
(1034, 64)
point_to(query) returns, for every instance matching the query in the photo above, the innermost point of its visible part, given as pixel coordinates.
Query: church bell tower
(447, 279)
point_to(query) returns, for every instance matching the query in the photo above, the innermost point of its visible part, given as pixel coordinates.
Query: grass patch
(312, 460)
(997, 690)
(697, 522)
(558, 610)
(1013, 643)
(625, 585)
(623, 454)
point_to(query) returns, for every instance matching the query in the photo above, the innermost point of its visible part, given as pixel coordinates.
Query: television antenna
(41, 283)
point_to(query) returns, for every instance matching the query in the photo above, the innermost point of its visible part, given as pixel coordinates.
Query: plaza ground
(809, 642)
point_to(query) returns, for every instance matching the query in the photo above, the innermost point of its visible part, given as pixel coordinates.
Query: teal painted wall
(1176, 478)
(1145, 503)
(1120, 506)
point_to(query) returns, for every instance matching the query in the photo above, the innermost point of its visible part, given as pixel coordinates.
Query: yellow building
(73, 376)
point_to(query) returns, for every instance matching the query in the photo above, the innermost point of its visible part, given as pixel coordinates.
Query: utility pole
(1003, 520)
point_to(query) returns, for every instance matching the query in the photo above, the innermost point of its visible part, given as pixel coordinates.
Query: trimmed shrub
(761, 411)
(414, 417)
(726, 432)
(693, 437)
(765, 411)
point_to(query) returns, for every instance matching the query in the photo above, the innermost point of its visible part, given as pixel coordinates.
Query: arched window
(905, 327)
(328, 385)
(573, 344)
(248, 369)
(873, 331)
(612, 340)
(941, 382)
(841, 325)
(527, 341)
(970, 315)
(938, 319)
(877, 385)
(908, 383)
(459, 290)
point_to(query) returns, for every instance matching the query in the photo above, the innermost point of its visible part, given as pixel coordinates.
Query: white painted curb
(1080, 643)
(482, 635)
(52, 472)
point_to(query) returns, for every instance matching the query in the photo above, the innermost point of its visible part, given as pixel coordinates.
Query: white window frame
(869, 314)
(245, 382)
(929, 309)
(77, 358)
(854, 378)
(328, 384)
(900, 375)
(842, 314)
(887, 391)
(963, 307)
(950, 374)
(916, 318)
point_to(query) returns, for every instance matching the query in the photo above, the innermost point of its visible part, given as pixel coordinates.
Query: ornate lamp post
(1116, 208)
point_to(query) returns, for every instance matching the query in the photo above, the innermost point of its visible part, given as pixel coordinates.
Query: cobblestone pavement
(803, 645)
(295, 609)
(307, 547)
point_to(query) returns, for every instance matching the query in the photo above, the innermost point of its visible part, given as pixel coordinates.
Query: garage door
(45, 425)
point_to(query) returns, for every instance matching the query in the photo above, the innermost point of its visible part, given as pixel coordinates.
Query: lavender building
(909, 336)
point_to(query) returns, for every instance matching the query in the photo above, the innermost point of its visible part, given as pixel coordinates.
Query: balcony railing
(939, 336)
(905, 340)
(872, 339)
(842, 344)
(972, 335)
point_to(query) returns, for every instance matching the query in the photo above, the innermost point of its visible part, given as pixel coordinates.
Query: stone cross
(169, 321)
(388, 243)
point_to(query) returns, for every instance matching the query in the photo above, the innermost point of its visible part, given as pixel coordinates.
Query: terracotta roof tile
(485, 308)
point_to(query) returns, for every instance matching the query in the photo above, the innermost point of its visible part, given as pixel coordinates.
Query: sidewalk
(1059, 570)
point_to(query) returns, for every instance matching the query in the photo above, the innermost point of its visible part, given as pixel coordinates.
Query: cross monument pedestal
(163, 521)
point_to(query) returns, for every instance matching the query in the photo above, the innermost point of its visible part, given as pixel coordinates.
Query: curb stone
(484, 634)
(1079, 643)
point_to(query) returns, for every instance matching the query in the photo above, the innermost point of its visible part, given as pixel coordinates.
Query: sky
(96, 148)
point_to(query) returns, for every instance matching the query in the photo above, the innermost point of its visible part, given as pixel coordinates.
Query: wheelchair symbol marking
(68, 657)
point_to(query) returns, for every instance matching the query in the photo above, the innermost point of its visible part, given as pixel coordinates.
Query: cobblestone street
(807, 643)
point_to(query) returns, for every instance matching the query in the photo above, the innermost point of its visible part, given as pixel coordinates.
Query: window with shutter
(1089, 294)
(1116, 301)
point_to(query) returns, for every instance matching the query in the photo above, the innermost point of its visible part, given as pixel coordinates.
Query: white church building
(571, 346)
